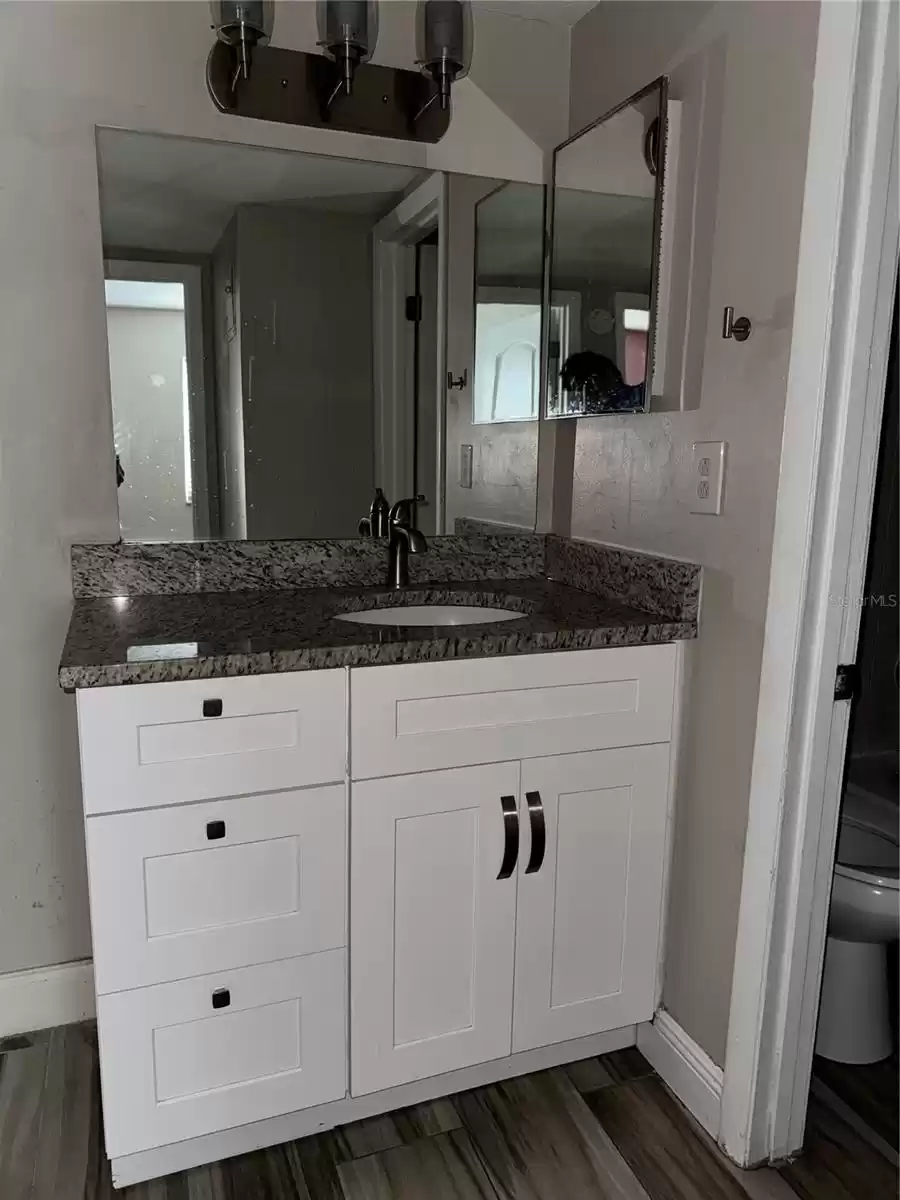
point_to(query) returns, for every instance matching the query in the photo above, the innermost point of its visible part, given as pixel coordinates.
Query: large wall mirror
(604, 260)
(275, 322)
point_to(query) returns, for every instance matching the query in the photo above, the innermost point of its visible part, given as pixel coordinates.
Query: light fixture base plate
(292, 87)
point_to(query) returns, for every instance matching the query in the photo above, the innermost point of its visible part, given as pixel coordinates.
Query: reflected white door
(432, 928)
(507, 358)
(587, 929)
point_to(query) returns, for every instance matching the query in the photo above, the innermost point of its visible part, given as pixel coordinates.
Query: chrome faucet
(403, 540)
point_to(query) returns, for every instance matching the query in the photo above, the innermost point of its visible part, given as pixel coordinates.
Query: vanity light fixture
(340, 88)
(348, 32)
(444, 44)
(243, 25)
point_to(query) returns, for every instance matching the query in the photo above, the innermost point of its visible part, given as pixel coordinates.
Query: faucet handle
(401, 510)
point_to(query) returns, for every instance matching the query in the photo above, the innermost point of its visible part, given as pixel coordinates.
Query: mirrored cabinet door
(508, 304)
(604, 261)
(494, 353)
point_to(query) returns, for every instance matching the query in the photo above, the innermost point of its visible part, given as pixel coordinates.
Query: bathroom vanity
(366, 824)
(318, 894)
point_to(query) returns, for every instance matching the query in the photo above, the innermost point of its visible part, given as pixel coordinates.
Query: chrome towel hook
(738, 329)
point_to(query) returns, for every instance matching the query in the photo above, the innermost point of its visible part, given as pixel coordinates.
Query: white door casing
(846, 277)
(394, 238)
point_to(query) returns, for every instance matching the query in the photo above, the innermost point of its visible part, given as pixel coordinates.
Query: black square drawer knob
(212, 708)
(221, 998)
(215, 830)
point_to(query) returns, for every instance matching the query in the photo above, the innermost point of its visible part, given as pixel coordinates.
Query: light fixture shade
(444, 38)
(350, 24)
(256, 16)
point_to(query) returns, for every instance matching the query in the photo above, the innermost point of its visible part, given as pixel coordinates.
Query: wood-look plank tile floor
(605, 1128)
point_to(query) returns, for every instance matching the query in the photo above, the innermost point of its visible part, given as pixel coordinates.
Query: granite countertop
(149, 639)
(158, 613)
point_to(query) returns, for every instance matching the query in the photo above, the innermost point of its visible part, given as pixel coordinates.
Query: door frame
(190, 275)
(393, 247)
(846, 280)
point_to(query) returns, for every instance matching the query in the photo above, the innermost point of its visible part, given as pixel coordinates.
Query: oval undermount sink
(430, 614)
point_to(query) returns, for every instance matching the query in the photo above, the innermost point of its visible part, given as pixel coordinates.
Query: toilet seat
(869, 875)
(868, 849)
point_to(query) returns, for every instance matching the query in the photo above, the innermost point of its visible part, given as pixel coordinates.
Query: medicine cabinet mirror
(603, 251)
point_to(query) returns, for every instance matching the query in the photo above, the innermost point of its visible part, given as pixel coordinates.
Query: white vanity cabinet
(499, 908)
(310, 888)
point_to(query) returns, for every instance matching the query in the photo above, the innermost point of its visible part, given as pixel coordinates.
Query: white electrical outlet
(707, 477)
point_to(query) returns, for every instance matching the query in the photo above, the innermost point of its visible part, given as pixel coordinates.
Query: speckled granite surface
(148, 614)
(465, 526)
(132, 568)
(663, 586)
(151, 639)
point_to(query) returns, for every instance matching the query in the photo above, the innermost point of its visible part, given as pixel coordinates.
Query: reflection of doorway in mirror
(507, 355)
(149, 373)
(426, 477)
(508, 350)
(632, 315)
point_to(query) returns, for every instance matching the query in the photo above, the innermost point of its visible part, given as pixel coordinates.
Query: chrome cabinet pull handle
(538, 832)
(510, 836)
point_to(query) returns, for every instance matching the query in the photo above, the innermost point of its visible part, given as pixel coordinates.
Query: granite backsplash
(661, 586)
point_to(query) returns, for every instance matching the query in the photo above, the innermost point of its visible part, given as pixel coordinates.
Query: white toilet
(854, 1024)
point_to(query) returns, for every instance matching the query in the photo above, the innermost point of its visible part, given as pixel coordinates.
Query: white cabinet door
(432, 928)
(587, 929)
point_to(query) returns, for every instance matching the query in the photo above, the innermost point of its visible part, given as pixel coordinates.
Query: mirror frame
(660, 85)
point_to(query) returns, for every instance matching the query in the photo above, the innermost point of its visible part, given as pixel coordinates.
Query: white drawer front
(153, 744)
(173, 1066)
(431, 715)
(203, 887)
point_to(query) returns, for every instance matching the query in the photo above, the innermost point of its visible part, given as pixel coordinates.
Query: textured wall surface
(744, 73)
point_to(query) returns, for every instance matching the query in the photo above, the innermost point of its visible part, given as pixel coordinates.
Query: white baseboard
(684, 1067)
(46, 996)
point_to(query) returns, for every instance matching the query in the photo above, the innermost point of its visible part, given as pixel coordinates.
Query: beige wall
(745, 69)
(64, 69)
